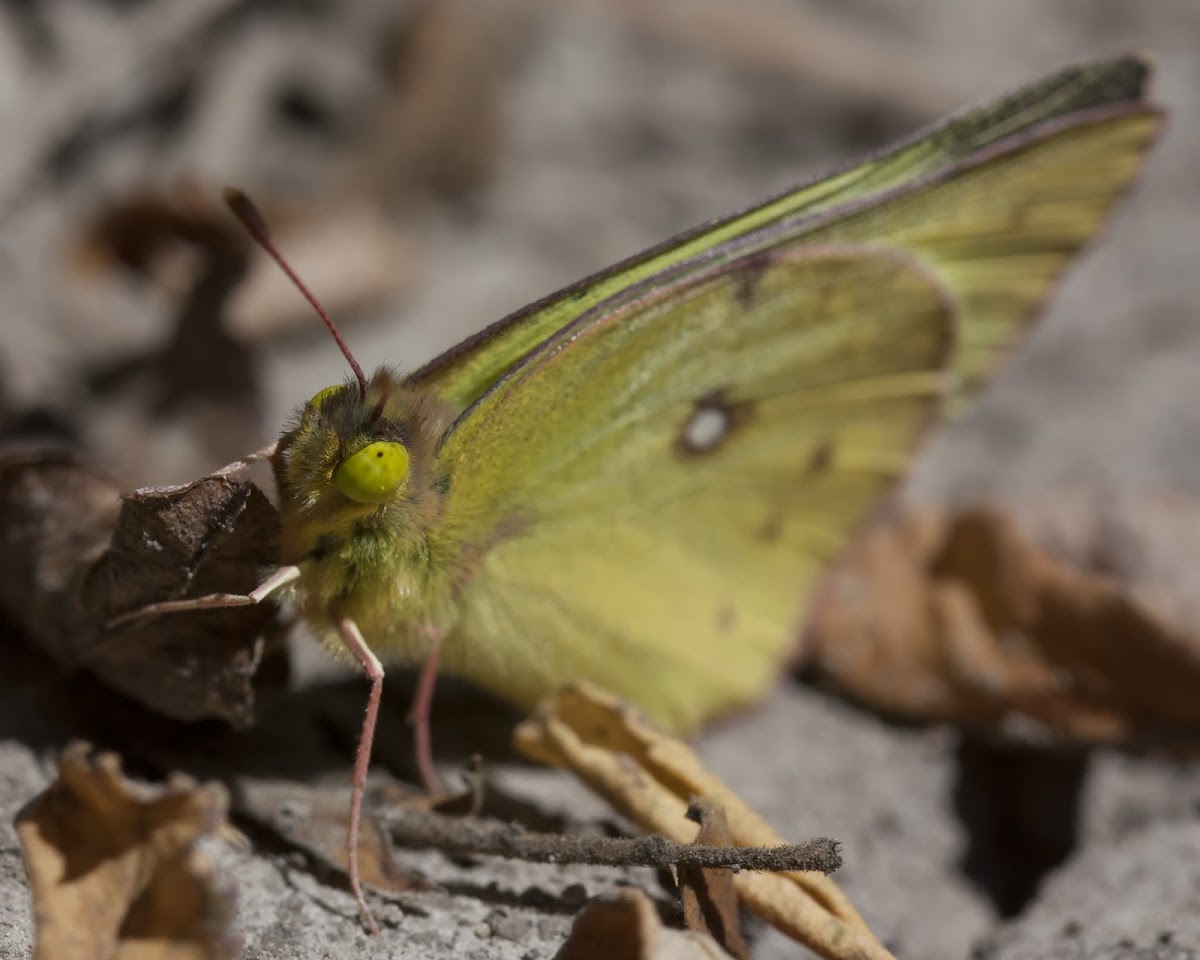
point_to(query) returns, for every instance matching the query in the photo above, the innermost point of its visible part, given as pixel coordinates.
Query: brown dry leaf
(113, 866)
(145, 233)
(709, 897)
(440, 129)
(625, 926)
(203, 372)
(649, 777)
(187, 244)
(199, 254)
(74, 553)
(963, 618)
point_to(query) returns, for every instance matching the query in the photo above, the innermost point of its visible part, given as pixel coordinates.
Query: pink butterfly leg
(353, 639)
(418, 716)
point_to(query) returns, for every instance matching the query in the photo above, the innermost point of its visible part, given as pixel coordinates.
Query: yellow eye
(374, 473)
(321, 396)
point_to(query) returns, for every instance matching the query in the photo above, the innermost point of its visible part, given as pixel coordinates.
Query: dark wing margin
(463, 373)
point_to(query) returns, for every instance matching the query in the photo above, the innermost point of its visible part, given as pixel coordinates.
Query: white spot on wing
(706, 428)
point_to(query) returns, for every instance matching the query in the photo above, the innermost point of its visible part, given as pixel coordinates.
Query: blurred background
(430, 166)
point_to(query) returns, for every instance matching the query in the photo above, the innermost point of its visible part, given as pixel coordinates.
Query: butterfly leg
(211, 601)
(264, 454)
(353, 639)
(418, 717)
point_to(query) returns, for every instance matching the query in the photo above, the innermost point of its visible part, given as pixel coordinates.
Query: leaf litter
(115, 868)
(1072, 621)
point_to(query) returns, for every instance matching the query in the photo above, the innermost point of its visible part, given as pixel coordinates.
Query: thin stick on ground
(425, 829)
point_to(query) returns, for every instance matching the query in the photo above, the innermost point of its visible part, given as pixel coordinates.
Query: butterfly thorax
(359, 500)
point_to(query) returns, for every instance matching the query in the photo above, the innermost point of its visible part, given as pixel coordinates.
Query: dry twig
(425, 829)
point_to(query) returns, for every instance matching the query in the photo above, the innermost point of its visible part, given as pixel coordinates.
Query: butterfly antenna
(256, 225)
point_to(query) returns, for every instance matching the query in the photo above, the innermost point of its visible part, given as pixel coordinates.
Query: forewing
(644, 501)
(1000, 230)
(961, 160)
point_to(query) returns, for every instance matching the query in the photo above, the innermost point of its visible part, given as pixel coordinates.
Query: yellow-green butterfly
(636, 480)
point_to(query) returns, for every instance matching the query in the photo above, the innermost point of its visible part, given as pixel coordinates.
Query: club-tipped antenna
(256, 225)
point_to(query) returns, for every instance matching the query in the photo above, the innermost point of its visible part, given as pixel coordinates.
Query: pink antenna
(256, 225)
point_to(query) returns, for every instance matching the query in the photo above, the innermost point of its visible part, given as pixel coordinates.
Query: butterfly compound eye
(373, 474)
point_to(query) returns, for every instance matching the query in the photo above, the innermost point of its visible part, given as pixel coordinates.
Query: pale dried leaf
(114, 870)
(625, 926)
(649, 777)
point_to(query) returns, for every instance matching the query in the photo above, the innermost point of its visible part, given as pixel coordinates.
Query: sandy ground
(615, 136)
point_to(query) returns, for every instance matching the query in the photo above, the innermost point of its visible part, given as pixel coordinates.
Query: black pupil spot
(379, 453)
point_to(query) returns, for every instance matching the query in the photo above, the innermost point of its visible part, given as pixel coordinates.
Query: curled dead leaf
(626, 926)
(964, 618)
(74, 552)
(113, 866)
(650, 778)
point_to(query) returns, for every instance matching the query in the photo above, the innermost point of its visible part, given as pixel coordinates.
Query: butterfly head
(355, 461)
(359, 455)
(352, 450)
(368, 471)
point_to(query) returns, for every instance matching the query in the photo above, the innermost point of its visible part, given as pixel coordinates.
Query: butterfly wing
(641, 502)
(1086, 126)
(591, 545)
